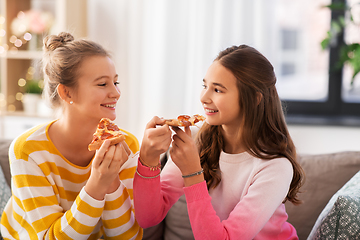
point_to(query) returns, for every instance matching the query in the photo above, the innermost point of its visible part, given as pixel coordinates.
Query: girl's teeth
(110, 105)
(210, 111)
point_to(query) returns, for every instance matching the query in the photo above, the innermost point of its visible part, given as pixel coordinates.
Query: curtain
(162, 49)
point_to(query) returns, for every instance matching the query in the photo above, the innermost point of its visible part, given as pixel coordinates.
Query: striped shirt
(48, 197)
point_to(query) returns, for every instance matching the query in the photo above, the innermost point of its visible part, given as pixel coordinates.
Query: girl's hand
(184, 154)
(105, 169)
(156, 140)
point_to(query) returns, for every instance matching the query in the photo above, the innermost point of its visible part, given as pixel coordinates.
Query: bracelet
(147, 177)
(152, 168)
(193, 174)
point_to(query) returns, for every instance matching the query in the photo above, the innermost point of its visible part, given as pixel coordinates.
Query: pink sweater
(247, 204)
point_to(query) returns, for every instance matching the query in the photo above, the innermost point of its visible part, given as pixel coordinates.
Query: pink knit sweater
(247, 204)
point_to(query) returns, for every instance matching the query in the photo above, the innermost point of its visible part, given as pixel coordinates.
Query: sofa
(327, 192)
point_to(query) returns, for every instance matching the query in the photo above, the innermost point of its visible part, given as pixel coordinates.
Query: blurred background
(162, 49)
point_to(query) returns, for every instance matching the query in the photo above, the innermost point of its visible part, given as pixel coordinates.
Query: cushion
(325, 175)
(5, 193)
(4, 158)
(340, 219)
(177, 222)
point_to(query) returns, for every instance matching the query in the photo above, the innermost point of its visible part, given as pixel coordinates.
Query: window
(309, 84)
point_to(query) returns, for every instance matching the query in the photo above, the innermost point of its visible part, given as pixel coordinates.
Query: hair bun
(52, 42)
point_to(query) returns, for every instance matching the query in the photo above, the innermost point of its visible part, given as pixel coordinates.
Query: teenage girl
(61, 190)
(241, 168)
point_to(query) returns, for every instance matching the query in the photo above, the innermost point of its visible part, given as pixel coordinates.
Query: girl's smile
(220, 96)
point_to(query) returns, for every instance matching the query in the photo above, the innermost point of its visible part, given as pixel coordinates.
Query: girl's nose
(204, 96)
(115, 93)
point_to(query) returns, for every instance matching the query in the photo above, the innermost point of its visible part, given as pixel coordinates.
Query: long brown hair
(264, 131)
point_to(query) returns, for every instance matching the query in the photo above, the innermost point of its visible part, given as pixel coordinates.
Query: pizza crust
(172, 122)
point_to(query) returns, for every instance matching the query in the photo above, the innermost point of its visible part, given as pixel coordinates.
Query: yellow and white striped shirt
(48, 197)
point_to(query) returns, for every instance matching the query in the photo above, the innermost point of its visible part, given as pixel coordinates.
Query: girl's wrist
(153, 167)
(193, 180)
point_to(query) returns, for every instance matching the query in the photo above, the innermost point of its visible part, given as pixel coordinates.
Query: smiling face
(97, 89)
(220, 97)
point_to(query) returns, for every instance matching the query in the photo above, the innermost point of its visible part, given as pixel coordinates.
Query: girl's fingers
(121, 155)
(155, 121)
(188, 131)
(126, 147)
(100, 153)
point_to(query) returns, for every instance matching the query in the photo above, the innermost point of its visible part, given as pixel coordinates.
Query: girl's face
(220, 97)
(97, 91)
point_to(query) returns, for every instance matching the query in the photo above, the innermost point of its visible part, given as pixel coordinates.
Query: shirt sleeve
(118, 217)
(152, 199)
(266, 193)
(35, 202)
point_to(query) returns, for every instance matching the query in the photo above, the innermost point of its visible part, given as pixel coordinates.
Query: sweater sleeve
(268, 189)
(35, 203)
(152, 198)
(118, 217)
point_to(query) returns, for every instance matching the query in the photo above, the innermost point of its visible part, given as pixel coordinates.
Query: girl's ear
(64, 93)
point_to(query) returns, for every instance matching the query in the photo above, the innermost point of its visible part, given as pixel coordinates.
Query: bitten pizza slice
(106, 129)
(185, 120)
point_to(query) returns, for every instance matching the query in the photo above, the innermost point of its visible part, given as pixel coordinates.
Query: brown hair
(62, 58)
(264, 131)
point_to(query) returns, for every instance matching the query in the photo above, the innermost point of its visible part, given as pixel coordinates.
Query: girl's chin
(112, 117)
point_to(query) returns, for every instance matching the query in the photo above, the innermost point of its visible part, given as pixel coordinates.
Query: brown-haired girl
(242, 166)
(60, 190)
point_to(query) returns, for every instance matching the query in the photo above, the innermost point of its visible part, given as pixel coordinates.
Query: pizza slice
(185, 120)
(106, 129)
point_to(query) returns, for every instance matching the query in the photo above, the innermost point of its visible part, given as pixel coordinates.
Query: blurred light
(27, 36)
(2, 103)
(19, 96)
(2, 20)
(12, 39)
(18, 43)
(21, 15)
(31, 70)
(11, 108)
(29, 76)
(2, 32)
(6, 47)
(2, 49)
(22, 28)
(21, 82)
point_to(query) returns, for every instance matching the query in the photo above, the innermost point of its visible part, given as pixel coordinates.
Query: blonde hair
(62, 58)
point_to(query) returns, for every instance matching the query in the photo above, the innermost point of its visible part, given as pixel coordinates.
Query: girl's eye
(102, 85)
(116, 83)
(204, 86)
(217, 90)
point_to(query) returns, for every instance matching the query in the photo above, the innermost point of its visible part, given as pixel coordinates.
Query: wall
(325, 139)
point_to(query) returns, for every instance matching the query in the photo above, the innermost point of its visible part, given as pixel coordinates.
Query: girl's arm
(153, 198)
(118, 216)
(150, 201)
(36, 203)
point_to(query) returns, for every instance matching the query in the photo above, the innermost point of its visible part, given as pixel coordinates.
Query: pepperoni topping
(106, 135)
(113, 127)
(184, 120)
